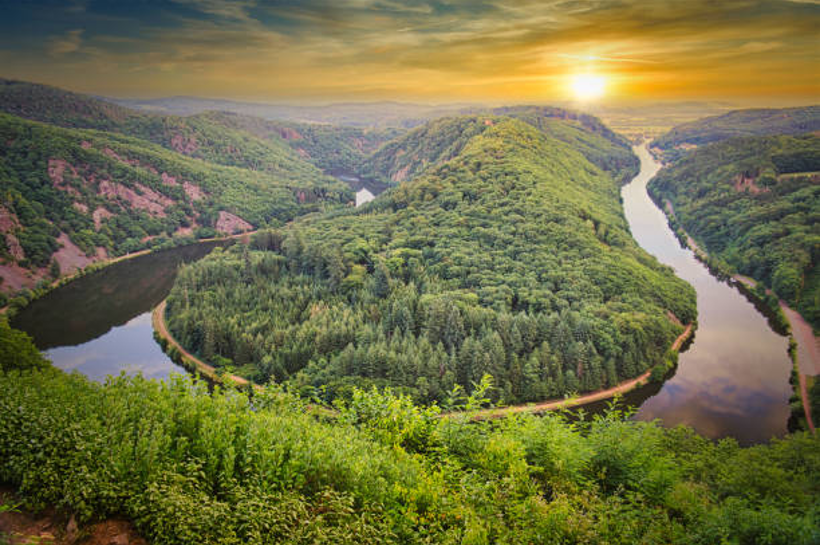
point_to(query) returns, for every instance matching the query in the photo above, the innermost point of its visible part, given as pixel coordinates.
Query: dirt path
(553, 404)
(808, 346)
(189, 360)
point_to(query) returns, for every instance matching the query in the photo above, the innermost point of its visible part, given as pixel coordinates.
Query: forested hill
(72, 196)
(333, 148)
(443, 139)
(225, 139)
(754, 122)
(512, 258)
(755, 204)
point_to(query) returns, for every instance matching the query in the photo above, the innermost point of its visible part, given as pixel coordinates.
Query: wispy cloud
(66, 43)
(435, 48)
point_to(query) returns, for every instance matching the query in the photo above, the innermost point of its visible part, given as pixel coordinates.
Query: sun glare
(587, 86)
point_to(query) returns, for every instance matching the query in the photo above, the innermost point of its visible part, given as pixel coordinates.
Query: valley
(506, 269)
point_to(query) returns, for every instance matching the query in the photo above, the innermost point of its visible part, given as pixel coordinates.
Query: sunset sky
(754, 51)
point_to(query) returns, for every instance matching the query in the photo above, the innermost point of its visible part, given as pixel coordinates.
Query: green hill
(332, 148)
(443, 139)
(100, 193)
(754, 122)
(508, 255)
(204, 136)
(755, 204)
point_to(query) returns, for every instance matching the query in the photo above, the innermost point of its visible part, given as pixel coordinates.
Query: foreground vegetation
(189, 467)
(512, 258)
(754, 204)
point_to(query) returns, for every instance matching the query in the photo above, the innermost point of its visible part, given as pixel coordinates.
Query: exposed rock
(80, 207)
(85, 144)
(8, 224)
(70, 257)
(113, 154)
(194, 192)
(183, 144)
(742, 182)
(146, 199)
(401, 174)
(99, 215)
(16, 277)
(56, 171)
(167, 179)
(289, 134)
(230, 223)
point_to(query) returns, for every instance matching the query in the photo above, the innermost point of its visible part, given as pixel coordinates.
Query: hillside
(755, 204)
(332, 148)
(72, 196)
(188, 467)
(754, 122)
(511, 257)
(205, 136)
(382, 115)
(443, 139)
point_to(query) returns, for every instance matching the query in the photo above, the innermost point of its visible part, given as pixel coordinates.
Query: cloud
(439, 48)
(65, 44)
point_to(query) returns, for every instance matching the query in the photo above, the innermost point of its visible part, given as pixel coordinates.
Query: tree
(54, 269)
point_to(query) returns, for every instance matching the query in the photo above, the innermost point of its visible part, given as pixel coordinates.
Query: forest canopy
(511, 258)
(754, 203)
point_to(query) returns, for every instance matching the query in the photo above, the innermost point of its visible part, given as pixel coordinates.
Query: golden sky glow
(495, 50)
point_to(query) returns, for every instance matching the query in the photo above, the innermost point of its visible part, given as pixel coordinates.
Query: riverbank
(194, 364)
(181, 356)
(806, 356)
(566, 403)
(97, 266)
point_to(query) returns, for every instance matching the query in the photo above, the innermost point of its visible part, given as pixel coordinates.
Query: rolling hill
(753, 122)
(440, 140)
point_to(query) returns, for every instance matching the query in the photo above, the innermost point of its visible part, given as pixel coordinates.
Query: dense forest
(187, 467)
(513, 258)
(120, 194)
(737, 123)
(441, 140)
(754, 203)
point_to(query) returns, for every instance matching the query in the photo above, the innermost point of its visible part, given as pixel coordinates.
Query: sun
(587, 86)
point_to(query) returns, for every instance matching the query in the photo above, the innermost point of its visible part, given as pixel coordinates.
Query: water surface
(100, 324)
(734, 378)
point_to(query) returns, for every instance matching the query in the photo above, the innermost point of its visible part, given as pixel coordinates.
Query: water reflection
(363, 196)
(129, 347)
(100, 324)
(366, 188)
(733, 381)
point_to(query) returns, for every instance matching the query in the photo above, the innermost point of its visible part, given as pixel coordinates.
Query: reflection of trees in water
(88, 307)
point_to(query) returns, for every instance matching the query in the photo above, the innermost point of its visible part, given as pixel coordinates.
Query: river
(100, 324)
(734, 378)
(732, 381)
